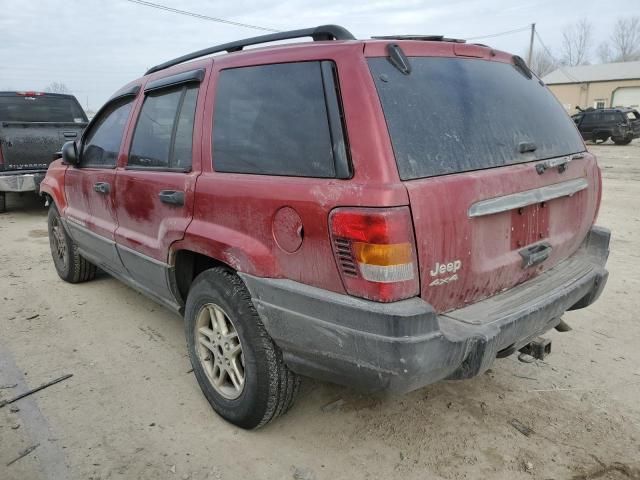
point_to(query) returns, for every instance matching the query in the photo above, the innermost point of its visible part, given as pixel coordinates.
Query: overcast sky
(94, 46)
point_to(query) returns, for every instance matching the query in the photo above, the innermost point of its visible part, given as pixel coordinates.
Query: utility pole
(533, 32)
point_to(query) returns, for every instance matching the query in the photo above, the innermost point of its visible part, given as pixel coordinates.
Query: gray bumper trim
(21, 182)
(405, 345)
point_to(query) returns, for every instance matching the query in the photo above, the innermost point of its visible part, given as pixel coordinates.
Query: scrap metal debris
(521, 427)
(24, 453)
(34, 390)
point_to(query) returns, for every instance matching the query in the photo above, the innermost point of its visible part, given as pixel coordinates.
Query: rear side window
(163, 136)
(612, 117)
(277, 120)
(591, 119)
(102, 142)
(40, 108)
(454, 115)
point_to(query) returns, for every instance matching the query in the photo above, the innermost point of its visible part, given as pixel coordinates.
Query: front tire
(238, 366)
(70, 265)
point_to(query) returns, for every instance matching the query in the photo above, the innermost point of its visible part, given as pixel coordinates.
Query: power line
(200, 16)
(560, 67)
(508, 32)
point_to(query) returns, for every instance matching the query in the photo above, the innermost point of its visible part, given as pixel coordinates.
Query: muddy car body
(374, 213)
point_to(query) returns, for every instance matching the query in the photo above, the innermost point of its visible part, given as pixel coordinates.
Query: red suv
(381, 213)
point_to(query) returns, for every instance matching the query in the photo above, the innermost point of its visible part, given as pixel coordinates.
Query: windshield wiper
(561, 163)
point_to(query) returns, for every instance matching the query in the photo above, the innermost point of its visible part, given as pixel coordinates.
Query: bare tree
(542, 63)
(624, 42)
(604, 52)
(57, 87)
(576, 43)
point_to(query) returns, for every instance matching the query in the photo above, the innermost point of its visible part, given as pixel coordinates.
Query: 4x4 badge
(444, 281)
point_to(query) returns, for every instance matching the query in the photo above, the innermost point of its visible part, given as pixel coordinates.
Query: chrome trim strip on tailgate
(529, 197)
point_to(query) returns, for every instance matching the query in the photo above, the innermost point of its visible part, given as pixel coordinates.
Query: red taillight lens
(376, 252)
(29, 94)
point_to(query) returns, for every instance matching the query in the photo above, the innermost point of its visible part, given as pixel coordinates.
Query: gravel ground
(133, 410)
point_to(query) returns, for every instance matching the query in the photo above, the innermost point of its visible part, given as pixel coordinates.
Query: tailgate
(500, 186)
(31, 145)
(471, 228)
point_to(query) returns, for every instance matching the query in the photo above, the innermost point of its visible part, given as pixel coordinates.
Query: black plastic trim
(174, 80)
(321, 33)
(127, 92)
(335, 116)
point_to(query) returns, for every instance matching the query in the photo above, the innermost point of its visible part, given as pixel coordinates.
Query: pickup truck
(33, 126)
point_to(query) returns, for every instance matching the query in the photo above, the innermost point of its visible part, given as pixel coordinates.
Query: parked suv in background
(375, 213)
(620, 124)
(33, 127)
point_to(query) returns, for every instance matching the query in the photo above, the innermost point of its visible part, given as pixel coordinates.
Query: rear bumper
(21, 181)
(405, 345)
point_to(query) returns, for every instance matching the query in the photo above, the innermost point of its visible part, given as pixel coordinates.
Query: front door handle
(172, 197)
(535, 254)
(102, 187)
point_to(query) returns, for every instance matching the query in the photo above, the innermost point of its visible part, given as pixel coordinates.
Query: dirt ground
(133, 410)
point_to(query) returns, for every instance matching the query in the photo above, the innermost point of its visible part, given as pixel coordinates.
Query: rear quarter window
(454, 115)
(272, 120)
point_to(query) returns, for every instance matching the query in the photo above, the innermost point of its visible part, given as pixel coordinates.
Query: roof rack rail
(323, 32)
(424, 38)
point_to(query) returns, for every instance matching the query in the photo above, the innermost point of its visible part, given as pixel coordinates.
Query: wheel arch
(187, 265)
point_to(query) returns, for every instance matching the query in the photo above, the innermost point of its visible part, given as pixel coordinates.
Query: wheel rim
(220, 351)
(58, 243)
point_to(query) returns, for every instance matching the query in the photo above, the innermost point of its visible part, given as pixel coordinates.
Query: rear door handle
(70, 134)
(102, 187)
(535, 254)
(172, 197)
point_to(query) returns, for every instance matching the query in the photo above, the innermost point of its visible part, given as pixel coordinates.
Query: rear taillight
(375, 251)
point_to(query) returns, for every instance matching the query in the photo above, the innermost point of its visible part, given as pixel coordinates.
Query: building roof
(594, 73)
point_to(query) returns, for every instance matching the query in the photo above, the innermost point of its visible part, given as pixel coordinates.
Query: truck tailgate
(31, 145)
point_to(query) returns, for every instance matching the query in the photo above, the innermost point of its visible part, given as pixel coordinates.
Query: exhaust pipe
(538, 348)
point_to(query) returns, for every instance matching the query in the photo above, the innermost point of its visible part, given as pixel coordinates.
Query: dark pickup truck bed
(33, 126)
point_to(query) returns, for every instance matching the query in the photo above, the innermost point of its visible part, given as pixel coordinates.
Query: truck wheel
(3, 202)
(238, 366)
(70, 265)
(621, 141)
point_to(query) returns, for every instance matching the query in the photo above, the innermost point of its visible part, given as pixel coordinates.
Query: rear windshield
(43, 108)
(454, 115)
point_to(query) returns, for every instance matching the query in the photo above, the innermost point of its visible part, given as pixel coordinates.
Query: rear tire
(621, 141)
(3, 202)
(238, 366)
(70, 265)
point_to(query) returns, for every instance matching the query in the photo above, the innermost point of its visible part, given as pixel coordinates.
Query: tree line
(578, 48)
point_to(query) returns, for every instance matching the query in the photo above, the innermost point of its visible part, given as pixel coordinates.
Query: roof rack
(324, 32)
(424, 38)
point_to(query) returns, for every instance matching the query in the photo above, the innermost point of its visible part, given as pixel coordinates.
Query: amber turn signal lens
(382, 255)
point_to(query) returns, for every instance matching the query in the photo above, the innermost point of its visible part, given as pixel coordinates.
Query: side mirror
(70, 153)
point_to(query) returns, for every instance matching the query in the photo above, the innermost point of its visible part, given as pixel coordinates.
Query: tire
(70, 265)
(3, 202)
(602, 136)
(267, 389)
(621, 141)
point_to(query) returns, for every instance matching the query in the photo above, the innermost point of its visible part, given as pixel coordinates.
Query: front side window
(102, 142)
(164, 133)
(274, 120)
